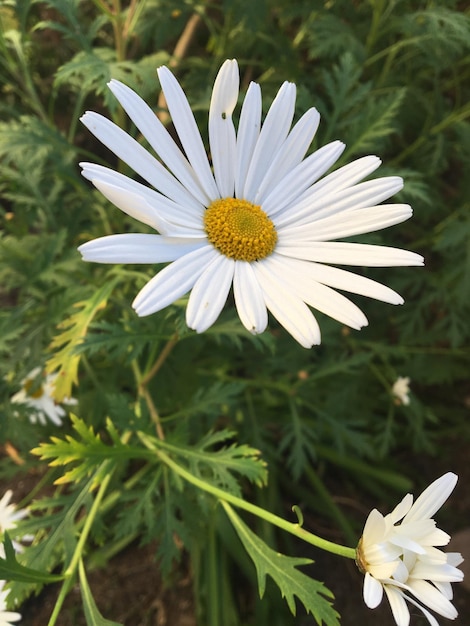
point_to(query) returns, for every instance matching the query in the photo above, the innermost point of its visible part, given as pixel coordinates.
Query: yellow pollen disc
(33, 392)
(239, 229)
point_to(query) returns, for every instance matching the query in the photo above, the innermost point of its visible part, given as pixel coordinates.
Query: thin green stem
(170, 344)
(142, 382)
(293, 529)
(213, 575)
(375, 25)
(79, 549)
(454, 117)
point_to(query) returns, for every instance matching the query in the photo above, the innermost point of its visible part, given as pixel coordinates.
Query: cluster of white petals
(401, 390)
(261, 164)
(6, 616)
(398, 555)
(37, 393)
(9, 517)
(9, 514)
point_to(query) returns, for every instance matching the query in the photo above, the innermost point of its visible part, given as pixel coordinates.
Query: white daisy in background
(6, 617)
(9, 517)
(262, 220)
(37, 392)
(401, 390)
(398, 554)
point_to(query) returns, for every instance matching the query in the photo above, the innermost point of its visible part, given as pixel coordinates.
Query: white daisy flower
(261, 221)
(9, 517)
(37, 393)
(6, 617)
(398, 554)
(401, 390)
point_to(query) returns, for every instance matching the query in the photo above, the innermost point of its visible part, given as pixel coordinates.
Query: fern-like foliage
(292, 583)
(65, 360)
(217, 466)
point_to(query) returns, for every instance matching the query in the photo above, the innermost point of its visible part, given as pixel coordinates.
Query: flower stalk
(290, 527)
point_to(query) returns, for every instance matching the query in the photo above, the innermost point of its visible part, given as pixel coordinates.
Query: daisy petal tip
(372, 592)
(140, 310)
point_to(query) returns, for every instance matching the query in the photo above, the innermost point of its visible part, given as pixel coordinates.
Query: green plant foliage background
(389, 78)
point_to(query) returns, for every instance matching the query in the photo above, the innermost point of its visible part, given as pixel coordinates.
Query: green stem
(374, 28)
(77, 555)
(213, 576)
(454, 117)
(170, 344)
(293, 529)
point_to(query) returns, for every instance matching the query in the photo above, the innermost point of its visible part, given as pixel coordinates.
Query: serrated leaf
(375, 121)
(65, 361)
(92, 615)
(87, 450)
(61, 539)
(10, 569)
(92, 70)
(283, 570)
(208, 401)
(217, 467)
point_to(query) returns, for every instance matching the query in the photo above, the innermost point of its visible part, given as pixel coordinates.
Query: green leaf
(10, 569)
(218, 467)
(283, 570)
(74, 329)
(87, 450)
(92, 615)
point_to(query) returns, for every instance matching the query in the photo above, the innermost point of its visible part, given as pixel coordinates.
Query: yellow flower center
(239, 229)
(32, 389)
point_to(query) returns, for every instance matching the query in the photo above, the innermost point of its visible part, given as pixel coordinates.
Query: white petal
(432, 498)
(352, 283)
(345, 253)
(316, 295)
(249, 298)
(53, 411)
(373, 591)
(188, 133)
(9, 616)
(173, 281)
(445, 588)
(287, 308)
(158, 137)
(272, 135)
(432, 598)
(385, 570)
(290, 154)
(165, 210)
(141, 161)
(348, 223)
(132, 204)
(321, 205)
(439, 573)
(407, 543)
(209, 293)
(138, 248)
(221, 129)
(400, 510)
(374, 528)
(288, 190)
(431, 619)
(247, 136)
(400, 611)
(346, 176)
(454, 558)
